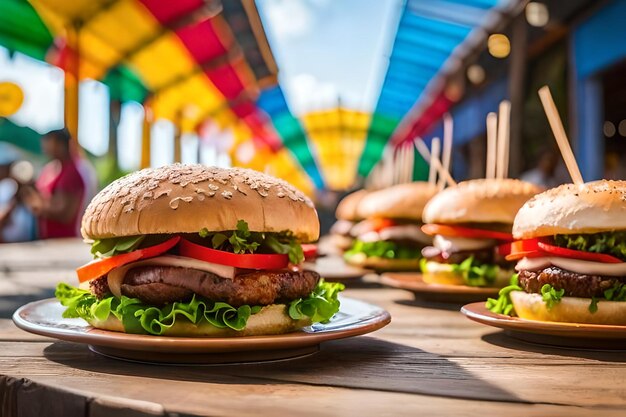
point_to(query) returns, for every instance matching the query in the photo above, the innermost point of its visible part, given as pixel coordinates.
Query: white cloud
(290, 18)
(307, 93)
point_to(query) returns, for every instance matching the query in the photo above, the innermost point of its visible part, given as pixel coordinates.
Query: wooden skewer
(504, 115)
(435, 148)
(559, 133)
(400, 160)
(492, 124)
(447, 147)
(410, 163)
(423, 150)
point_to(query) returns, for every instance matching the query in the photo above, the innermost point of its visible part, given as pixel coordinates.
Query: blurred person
(544, 174)
(58, 195)
(16, 222)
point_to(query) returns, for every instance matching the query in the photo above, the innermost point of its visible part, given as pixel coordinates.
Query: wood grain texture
(429, 361)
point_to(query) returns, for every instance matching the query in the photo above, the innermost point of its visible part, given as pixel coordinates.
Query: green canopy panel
(23, 137)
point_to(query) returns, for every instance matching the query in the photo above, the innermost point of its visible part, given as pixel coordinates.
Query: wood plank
(429, 360)
(176, 394)
(363, 363)
(44, 255)
(10, 333)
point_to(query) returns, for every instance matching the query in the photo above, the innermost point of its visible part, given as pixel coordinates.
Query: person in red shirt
(57, 198)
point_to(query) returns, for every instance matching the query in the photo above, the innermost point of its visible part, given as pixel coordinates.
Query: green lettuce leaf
(243, 240)
(105, 248)
(503, 304)
(138, 317)
(238, 241)
(610, 243)
(475, 274)
(384, 249)
(551, 296)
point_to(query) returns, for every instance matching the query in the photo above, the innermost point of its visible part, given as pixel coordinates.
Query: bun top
(598, 206)
(346, 209)
(187, 198)
(402, 201)
(480, 201)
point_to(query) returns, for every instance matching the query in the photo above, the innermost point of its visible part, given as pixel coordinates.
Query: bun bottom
(341, 242)
(270, 320)
(568, 310)
(383, 264)
(443, 274)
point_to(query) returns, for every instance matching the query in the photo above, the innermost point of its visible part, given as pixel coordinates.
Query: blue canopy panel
(429, 31)
(272, 101)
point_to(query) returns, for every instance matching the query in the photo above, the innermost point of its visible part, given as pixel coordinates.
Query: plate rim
(422, 287)
(91, 336)
(479, 313)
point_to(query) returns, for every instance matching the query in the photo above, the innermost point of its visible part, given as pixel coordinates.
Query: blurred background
(327, 94)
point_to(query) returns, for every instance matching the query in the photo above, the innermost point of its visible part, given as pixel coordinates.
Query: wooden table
(429, 361)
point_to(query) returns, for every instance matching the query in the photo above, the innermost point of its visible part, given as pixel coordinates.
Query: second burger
(470, 225)
(390, 238)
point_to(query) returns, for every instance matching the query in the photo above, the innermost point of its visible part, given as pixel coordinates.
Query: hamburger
(188, 250)
(347, 217)
(470, 225)
(390, 238)
(571, 256)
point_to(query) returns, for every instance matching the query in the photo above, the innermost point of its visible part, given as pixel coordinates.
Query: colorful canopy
(337, 137)
(198, 60)
(430, 32)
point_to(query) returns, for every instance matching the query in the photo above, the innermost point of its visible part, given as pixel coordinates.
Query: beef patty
(160, 285)
(575, 285)
(481, 256)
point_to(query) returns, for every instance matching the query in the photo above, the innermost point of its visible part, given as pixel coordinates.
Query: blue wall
(597, 43)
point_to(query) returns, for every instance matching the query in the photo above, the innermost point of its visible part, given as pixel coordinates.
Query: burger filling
(149, 282)
(386, 239)
(471, 254)
(589, 266)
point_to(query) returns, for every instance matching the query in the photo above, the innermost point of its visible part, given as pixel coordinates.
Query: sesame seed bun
(479, 201)
(187, 198)
(402, 201)
(346, 209)
(594, 207)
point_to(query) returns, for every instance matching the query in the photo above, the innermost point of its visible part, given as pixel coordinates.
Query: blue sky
(325, 50)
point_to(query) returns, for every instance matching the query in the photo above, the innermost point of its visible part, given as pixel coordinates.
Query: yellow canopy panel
(337, 137)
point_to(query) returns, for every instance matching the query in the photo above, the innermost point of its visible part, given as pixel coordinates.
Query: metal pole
(517, 75)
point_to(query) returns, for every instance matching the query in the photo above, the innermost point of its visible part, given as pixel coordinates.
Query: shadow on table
(361, 362)
(10, 303)
(501, 339)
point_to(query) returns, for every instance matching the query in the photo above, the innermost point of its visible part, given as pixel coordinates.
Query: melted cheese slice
(575, 265)
(457, 244)
(115, 278)
(402, 232)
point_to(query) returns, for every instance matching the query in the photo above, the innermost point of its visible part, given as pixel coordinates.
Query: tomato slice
(247, 261)
(379, 224)
(578, 254)
(504, 249)
(310, 251)
(100, 267)
(527, 248)
(460, 231)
